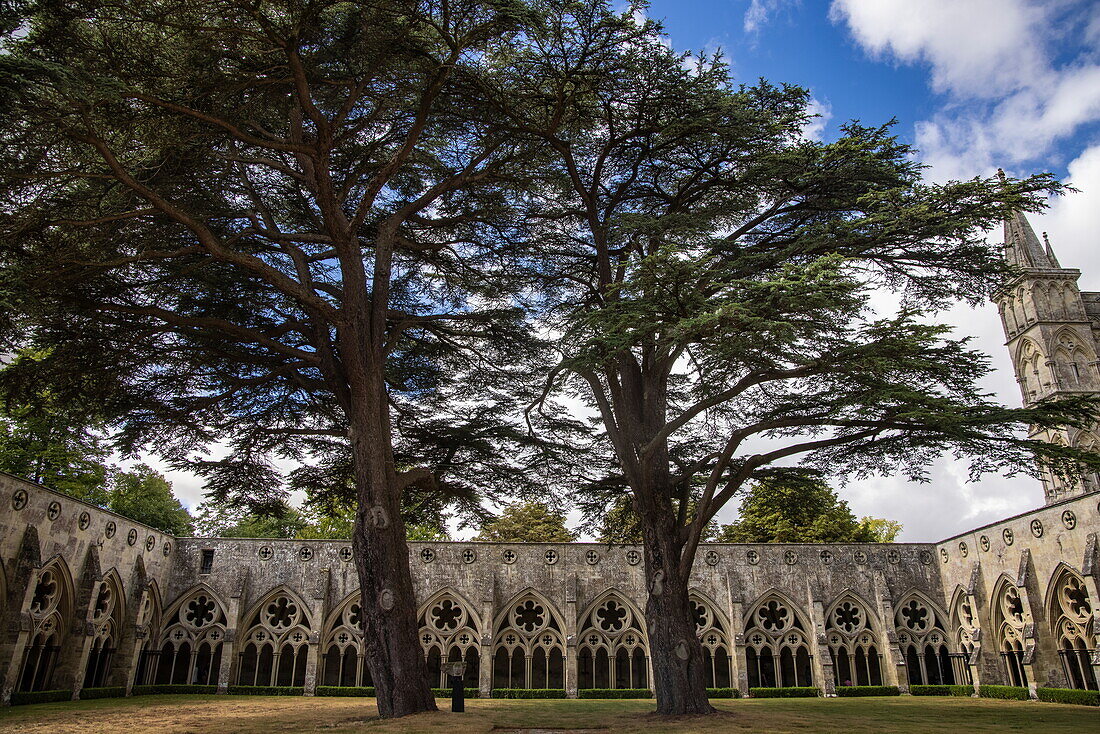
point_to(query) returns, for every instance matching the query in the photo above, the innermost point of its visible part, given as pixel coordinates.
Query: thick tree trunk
(390, 635)
(679, 673)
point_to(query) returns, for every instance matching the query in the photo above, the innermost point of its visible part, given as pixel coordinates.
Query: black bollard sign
(455, 676)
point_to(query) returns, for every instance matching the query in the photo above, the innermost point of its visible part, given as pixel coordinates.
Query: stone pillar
(485, 653)
(16, 638)
(1033, 611)
(569, 611)
(894, 669)
(229, 646)
(739, 676)
(822, 661)
(317, 613)
(131, 640)
(73, 659)
(1092, 585)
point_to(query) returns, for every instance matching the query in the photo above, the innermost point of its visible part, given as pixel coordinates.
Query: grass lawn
(267, 715)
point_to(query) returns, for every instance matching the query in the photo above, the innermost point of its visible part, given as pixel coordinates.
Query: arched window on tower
(923, 639)
(776, 650)
(853, 645)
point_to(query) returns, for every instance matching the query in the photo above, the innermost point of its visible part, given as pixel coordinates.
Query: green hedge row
(87, 694)
(528, 693)
(857, 691)
(790, 692)
(266, 691)
(962, 691)
(365, 691)
(723, 693)
(466, 692)
(1069, 695)
(615, 693)
(21, 698)
(1011, 693)
(153, 690)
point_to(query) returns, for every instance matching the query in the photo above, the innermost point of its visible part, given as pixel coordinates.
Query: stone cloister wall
(90, 598)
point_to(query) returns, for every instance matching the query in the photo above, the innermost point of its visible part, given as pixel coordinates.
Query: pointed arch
(149, 619)
(275, 644)
(343, 655)
(1009, 618)
(450, 631)
(108, 616)
(715, 633)
(1070, 614)
(925, 643)
(613, 648)
(51, 616)
(529, 643)
(192, 639)
(777, 651)
(853, 634)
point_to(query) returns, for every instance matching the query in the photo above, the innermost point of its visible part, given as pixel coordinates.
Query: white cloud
(815, 128)
(1009, 97)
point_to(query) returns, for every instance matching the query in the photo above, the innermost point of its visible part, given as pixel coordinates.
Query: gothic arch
(777, 634)
(1009, 617)
(192, 639)
(343, 658)
(529, 643)
(853, 634)
(921, 626)
(1031, 368)
(51, 616)
(149, 618)
(613, 649)
(275, 643)
(450, 631)
(108, 616)
(1070, 614)
(715, 635)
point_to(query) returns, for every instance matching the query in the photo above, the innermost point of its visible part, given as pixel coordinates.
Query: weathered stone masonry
(90, 598)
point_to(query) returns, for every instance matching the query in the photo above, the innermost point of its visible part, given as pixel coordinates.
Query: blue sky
(974, 84)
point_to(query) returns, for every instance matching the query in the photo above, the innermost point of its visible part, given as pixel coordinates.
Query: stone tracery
(777, 651)
(191, 644)
(529, 645)
(613, 651)
(852, 644)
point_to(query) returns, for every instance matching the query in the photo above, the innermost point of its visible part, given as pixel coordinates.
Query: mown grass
(269, 715)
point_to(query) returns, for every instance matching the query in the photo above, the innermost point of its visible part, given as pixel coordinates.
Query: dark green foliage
(152, 690)
(1013, 693)
(527, 522)
(859, 691)
(614, 693)
(794, 506)
(106, 692)
(788, 692)
(723, 693)
(1069, 695)
(358, 691)
(265, 690)
(941, 690)
(144, 495)
(21, 698)
(466, 692)
(528, 693)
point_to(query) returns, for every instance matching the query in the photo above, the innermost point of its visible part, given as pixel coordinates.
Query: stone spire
(1022, 246)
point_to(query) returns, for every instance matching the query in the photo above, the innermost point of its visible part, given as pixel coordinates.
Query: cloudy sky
(974, 84)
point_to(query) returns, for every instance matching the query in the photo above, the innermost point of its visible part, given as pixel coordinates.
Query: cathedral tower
(1053, 336)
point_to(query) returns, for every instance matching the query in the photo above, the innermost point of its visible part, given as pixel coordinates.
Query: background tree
(786, 505)
(711, 272)
(144, 495)
(527, 522)
(280, 227)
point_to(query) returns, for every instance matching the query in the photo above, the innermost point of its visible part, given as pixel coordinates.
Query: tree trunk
(390, 635)
(679, 673)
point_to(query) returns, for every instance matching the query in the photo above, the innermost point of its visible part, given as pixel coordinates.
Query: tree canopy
(527, 522)
(144, 495)
(798, 506)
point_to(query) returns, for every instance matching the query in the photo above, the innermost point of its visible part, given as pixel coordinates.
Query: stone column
(894, 670)
(739, 676)
(317, 613)
(229, 646)
(569, 611)
(1092, 585)
(822, 663)
(16, 637)
(485, 652)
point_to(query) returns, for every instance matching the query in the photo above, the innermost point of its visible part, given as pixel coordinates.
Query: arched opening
(776, 633)
(50, 609)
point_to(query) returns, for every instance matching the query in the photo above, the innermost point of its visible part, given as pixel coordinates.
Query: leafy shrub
(266, 690)
(467, 692)
(528, 693)
(22, 698)
(1069, 695)
(153, 690)
(789, 692)
(87, 694)
(615, 693)
(963, 691)
(1012, 693)
(723, 693)
(856, 691)
(363, 691)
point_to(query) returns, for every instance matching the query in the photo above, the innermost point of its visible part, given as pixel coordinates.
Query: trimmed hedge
(961, 691)
(24, 698)
(789, 692)
(1008, 693)
(723, 693)
(857, 691)
(467, 692)
(266, 691)
(363, 691)
(1069, 695)
(528, 693)
(153, 690)
(615, 693)
(87, 694)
